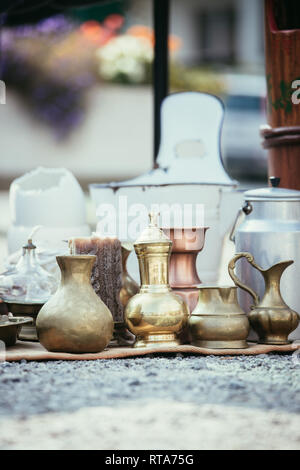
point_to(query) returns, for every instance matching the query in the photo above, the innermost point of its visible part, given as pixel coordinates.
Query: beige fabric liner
(36, 352)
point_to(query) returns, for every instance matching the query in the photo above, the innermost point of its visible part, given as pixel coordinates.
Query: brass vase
(270, 317)
(186, 245)
(218, 321)
(75, 320)
(156, 315)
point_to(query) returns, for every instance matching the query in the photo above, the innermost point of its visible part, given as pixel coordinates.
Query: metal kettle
(268, 227)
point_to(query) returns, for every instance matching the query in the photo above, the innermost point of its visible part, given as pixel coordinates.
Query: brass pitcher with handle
(269, 317)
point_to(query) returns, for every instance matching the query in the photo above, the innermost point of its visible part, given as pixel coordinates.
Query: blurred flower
(95, 33)
(141, 31)
(125, 58)
(51, 65)
(114, 22)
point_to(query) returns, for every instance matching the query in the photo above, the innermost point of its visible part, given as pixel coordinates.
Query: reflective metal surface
(75, 319)
(155, 315)
(186, 245)
(218, 321)
(129, 286)
(270, 317)
(10, 329)
(27, 310)
(271, 233)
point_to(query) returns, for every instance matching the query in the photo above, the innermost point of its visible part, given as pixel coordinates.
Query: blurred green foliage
(195, 79)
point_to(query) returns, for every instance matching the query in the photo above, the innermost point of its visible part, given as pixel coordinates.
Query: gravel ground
(181, 402)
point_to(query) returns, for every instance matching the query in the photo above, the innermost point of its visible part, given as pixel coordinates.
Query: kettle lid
(272, 193)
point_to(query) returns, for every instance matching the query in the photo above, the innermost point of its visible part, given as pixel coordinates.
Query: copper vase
(184, 279)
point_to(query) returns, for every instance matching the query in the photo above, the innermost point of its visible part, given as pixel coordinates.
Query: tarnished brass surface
(75, 319)
(270, 317)
(218, 321)
(129, 286)
(155, 315)
(10, 329)
(31, 310)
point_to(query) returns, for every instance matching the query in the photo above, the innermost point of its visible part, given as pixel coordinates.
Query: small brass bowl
(11, 328)
(27, 310)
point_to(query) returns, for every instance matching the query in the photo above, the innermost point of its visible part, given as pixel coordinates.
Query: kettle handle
(245, 210)
(236, 280)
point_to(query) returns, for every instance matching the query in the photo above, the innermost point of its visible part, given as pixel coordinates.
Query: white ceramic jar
(50, 198)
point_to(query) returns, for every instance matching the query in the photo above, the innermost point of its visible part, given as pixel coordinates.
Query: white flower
(126, 55)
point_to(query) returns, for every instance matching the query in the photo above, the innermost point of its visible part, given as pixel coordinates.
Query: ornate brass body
(218, 321)
(270, 317)
(155, 315)
(75, 319)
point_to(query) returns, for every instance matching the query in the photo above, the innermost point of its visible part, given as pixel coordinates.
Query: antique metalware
(27, 310)
(129, 286)
(218, 321)
(270, 317)
(75, 319)
(268, 227)
(10, 328)
(26, 287)
(184, 279)
(189, 171)
(121, 335)
(155, 315)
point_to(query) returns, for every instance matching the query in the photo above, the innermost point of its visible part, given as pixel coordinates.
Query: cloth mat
(36, 352)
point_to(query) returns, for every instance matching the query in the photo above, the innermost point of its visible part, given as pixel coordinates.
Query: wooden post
(282, 136)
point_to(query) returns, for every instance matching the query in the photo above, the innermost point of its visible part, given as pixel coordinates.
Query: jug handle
(236, 280)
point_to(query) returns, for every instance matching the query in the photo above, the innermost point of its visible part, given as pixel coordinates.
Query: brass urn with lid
(155, 315)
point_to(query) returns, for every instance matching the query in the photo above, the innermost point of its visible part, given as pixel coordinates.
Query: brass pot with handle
(270, 317)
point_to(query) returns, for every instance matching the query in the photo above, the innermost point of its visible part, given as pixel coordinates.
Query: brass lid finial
(153, 218)
(153, 234)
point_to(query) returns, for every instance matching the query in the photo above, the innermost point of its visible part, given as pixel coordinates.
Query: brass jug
(270, 317)
(155, 315)
(218, 321)
(75, 320)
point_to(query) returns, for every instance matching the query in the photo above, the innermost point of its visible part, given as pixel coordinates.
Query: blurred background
(78, 86)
